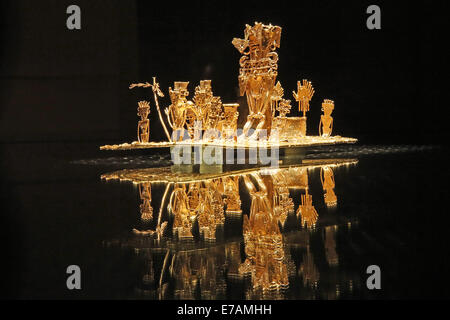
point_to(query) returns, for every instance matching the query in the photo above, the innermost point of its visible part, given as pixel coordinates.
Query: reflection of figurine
(263, 241)
(143, 131)
(307, 211)
(326, 120)
(210, 212)
(327, 178)
(308, 269)
(183, 216)
(145, 193)
(330, 245)
(231, 193)
(282, 202)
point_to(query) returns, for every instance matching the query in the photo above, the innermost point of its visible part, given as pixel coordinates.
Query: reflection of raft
(168, 175)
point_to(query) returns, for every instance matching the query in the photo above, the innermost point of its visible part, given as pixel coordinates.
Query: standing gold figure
(228, 123)
(208, 108)
(143, 130)
(176, 112)
(326, 120)
(257, 74)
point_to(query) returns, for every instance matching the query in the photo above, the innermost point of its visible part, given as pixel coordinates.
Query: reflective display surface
(139, 228)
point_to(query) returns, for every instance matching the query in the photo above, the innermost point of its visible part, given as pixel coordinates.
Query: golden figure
(307, 211)
(145, 193)
(156, 93)
(143, 131)
(327, 179)
(176, 112)
(257, 73)
(228, 123)
(207, 109)
(326, 120)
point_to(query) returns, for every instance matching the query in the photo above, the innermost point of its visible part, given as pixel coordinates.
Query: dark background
(64, 85)
(65, 92)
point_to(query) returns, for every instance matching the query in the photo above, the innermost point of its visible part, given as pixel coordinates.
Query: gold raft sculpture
(205, 120)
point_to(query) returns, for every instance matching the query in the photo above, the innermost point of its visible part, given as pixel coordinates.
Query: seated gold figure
(326, 120)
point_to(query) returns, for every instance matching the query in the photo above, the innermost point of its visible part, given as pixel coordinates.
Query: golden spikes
(304, 93)
(307, 211)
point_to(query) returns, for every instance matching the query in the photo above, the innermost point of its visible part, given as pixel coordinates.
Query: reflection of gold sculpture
(206, 198)
(308, 269)
(263, 240)
(330, 245)
(326, 120)
(145, 193)
(184, 215)
(198, 269)
(327, 179)
(307, 211)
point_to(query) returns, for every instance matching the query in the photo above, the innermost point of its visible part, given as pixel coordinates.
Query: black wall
(60, 85)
